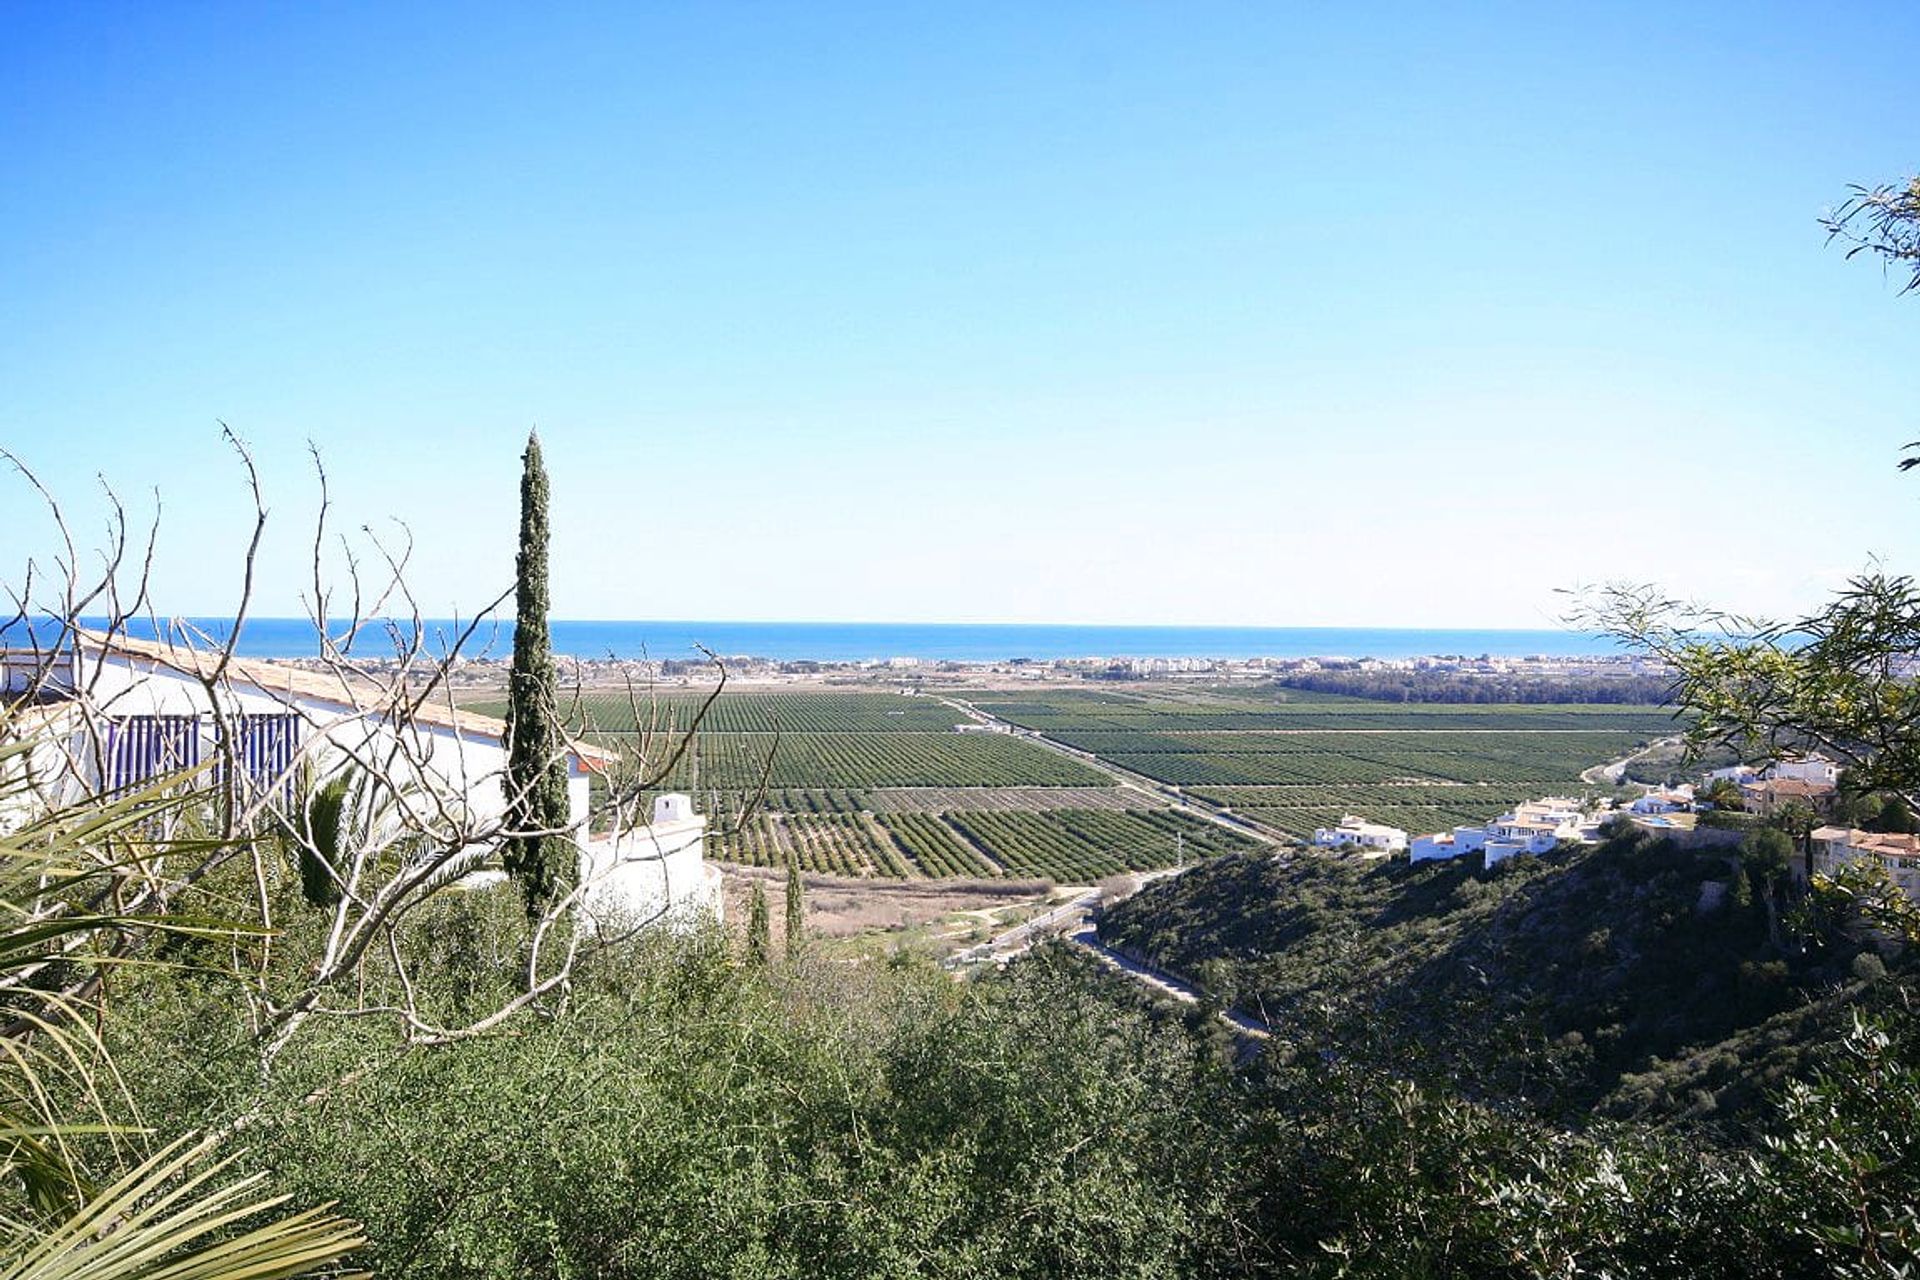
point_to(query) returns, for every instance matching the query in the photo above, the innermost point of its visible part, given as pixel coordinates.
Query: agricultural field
(1068, 846)
(1009, 799)
(1293, 761)
(752, 711)
(879, 786)
(1084, 846)
(1066, 713)
(863, 761)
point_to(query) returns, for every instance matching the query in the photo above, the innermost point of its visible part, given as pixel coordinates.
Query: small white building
(1814, 768)
(656, 872)
(1677, 800)
(1736, 774)
(1447, 844)
(1360, 834)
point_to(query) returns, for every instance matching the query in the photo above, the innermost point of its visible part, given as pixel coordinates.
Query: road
(1089, 939)
(1610, 772)
(1152, 788)
(1072, 921)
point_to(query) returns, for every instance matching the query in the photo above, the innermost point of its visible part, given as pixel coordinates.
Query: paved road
(1166, 984)
(1072, 921)
(1127, 778)
(1006, 945)
(1613, 770)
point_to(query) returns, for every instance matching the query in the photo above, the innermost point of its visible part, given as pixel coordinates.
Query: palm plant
(83, 887)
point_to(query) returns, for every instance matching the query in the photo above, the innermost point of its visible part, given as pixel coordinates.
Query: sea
(927, 642)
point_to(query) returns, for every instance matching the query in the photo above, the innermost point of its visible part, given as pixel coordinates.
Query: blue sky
(1257, 314)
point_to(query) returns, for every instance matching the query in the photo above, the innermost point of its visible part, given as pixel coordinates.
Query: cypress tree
(759, 926)
(796, 939)
(541, 862)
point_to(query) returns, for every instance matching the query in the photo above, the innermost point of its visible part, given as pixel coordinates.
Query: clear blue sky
(1263, 314)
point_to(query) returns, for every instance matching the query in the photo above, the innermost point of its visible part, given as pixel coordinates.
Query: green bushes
(685, 1117)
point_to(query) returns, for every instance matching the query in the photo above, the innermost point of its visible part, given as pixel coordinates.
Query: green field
(1298, 761)
(880, 785)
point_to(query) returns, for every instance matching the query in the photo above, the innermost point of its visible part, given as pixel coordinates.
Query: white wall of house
(1809, 769)
(652, 873)
(1448, 844)
(452, 776)
(442, 759)
(1898, 855)
(1676, 801)
(1364, 835)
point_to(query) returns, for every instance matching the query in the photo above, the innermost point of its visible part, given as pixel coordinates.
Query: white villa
(110, 713)
(1361, 834)
(1814, 768)
(1898, 855)
(1531, 828)
(1678, 800)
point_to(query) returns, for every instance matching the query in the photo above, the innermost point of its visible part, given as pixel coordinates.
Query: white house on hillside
(1677, 800)
(1813, 768)
(1532, 828)
(1361, 834)
(1447, 844)
(1898, 855)
(111, 713)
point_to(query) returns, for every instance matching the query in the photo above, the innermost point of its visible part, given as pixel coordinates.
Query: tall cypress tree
(796, 910)
(759, 926)
(542, 862)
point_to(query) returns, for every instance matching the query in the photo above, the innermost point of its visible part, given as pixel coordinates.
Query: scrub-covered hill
(1628, 978)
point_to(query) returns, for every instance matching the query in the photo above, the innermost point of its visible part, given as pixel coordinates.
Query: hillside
(1602, 980)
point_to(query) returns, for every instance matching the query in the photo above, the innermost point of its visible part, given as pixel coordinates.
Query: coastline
(967, 643)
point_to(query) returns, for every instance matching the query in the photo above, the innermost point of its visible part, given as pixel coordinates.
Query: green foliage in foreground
(689, 1117)
(83, 1196)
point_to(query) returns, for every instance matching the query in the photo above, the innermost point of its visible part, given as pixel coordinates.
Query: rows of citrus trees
(1081, 845)
(1058, 712)
(739, 762)
(1068, 845)
(934, 846)
(752, 712)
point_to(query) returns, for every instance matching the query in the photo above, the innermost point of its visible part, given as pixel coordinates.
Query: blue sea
(936, 642)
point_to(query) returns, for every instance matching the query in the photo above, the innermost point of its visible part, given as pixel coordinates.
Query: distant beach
(940, 642)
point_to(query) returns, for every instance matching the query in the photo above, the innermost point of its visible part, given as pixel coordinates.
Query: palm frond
(173, 1218)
